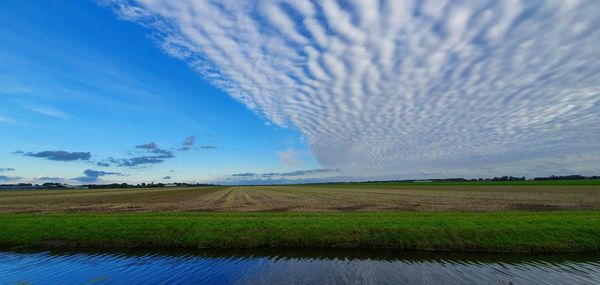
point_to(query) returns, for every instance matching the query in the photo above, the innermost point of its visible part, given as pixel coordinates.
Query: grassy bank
(560, 231)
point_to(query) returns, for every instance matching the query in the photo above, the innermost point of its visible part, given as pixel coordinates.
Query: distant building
(171, 185)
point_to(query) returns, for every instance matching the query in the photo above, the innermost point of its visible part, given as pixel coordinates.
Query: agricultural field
(363, 197)
(498, 217)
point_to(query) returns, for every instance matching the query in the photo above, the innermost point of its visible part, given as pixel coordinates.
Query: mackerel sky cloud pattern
(403, 87)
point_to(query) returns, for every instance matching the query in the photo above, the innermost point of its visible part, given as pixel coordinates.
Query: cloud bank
(298, 176)
(90, 175)
(403, 87)
(52, 179)
(4, 178)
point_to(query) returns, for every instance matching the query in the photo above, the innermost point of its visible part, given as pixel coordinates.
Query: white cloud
(5, 119)
(48, 111)
(393, 87)
(289, 157)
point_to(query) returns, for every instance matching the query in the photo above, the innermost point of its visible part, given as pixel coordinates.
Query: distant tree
(567, 177)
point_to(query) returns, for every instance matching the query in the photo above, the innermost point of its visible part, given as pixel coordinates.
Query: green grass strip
(562, 231)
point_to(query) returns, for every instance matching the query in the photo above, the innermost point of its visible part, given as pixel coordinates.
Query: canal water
(293, 267)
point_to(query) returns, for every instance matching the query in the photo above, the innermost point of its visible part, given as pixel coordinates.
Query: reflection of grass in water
(559, 231)
(326, 254)
(23, 283)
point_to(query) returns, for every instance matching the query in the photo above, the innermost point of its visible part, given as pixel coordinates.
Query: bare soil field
(304, 198)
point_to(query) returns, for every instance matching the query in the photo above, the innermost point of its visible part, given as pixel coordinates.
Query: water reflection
(293, 267)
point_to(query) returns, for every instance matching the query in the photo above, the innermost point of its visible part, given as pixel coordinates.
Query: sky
(269, 91)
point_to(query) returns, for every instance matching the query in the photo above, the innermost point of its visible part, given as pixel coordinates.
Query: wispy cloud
(6, 169)
(48, 111)
(153, 148)
(394, 86)
(149, 146)
(154, 155)
(140, 160)
(4, 178)
(5, 119)
(58, 155)
(188, 143)
(289, 157)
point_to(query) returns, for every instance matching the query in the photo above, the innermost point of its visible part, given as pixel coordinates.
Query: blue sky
(76, 78)
(280, 91)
